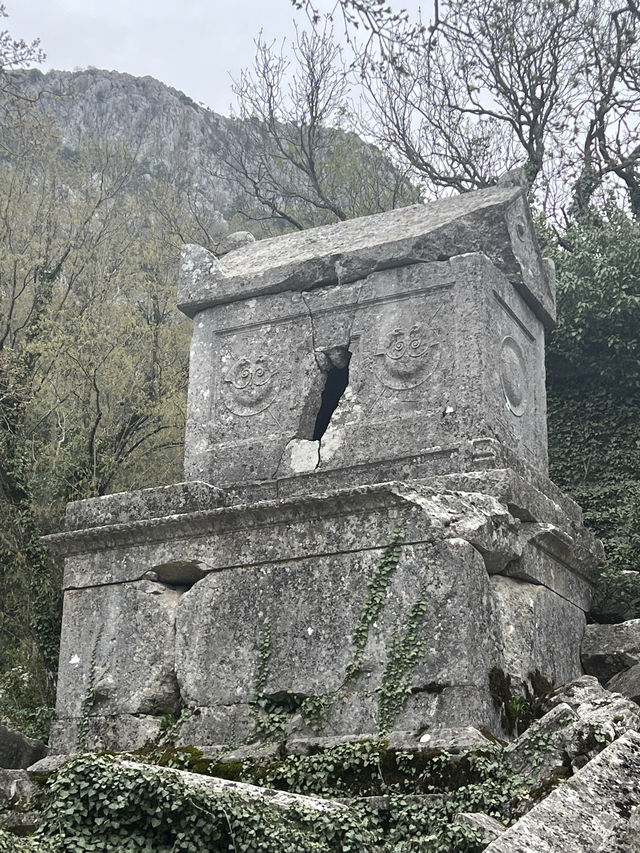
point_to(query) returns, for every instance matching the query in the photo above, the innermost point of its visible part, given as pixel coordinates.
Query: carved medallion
(513, 376)
(406, 358)
(249, 386)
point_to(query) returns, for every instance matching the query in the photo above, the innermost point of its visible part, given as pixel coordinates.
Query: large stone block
(293, 601)
(421, 349)
(290, 638)
(627, 683)
(117, 653)
(610, 649)
(18, 751)
(495, 222)
(541, 632)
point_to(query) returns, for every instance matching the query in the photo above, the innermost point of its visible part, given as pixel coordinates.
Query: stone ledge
(281, 800)
(181, 549)
(142, 504)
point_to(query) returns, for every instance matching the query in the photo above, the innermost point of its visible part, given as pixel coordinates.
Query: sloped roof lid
(495, 221)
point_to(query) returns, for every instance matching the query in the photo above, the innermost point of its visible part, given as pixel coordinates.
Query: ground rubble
(612, 654)
(581, 757)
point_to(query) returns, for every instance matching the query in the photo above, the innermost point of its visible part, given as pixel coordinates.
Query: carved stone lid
(495, 221)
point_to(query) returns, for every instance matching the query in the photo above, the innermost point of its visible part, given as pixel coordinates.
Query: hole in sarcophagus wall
(337, 379)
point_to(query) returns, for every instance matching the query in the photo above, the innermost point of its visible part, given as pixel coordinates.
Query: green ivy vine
(94, 803)
(376, 593)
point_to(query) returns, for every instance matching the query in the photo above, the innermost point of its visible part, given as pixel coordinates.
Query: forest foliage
(94, 355)
(93, 359)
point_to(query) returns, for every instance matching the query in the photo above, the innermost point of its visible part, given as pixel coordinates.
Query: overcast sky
(192, 45)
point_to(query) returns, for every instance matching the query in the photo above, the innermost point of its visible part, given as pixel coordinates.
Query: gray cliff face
(172, 137)
(85, 103)
(175, 137)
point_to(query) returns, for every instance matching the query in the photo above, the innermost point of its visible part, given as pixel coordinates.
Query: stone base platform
(384, 608)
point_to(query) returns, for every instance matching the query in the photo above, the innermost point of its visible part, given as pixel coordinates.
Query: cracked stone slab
(281, 800)
(439, 355)
(298, 569)
(590, 813)
(610, 713)
(185, 548)
(602, 717)
(494, 221)
(49, 764)
(540, 631)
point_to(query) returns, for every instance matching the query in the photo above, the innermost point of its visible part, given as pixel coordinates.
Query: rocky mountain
(181, 141)
(170, 132)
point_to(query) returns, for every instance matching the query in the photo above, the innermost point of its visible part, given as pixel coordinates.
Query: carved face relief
(406, 358)
(249, 386)
(513, 376)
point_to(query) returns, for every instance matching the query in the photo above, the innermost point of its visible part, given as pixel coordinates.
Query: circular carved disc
(513, 376)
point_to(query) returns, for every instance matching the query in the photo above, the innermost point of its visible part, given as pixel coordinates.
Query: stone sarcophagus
(428, 320)
(366, 541)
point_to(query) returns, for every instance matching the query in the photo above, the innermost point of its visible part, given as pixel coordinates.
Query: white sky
(192, 45)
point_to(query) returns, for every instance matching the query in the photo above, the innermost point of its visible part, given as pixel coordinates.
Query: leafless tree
(15, 53)
(293, 150)
(554, 85)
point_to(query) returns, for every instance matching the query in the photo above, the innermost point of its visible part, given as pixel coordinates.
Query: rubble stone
(18, 751)
(487, 827)
(590, 813)
(627, 682)
(15, 784)
(610, 649)
(542, 748)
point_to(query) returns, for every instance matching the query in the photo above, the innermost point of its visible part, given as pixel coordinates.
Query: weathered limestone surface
(380, 381)
(542, 748)
(282, 800)
(15, 784)
(271, 574)
(117, 651)
(590, 813)
(17, 750)
(141, 505)
(450, 739)
(487, 827)
(608, 714)
(307, 641)
(627, 683)
(507, 529)
(427, 346)
(610, 649)
(495, 222)
(536, 623)
(119, 732)
(583, 719)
